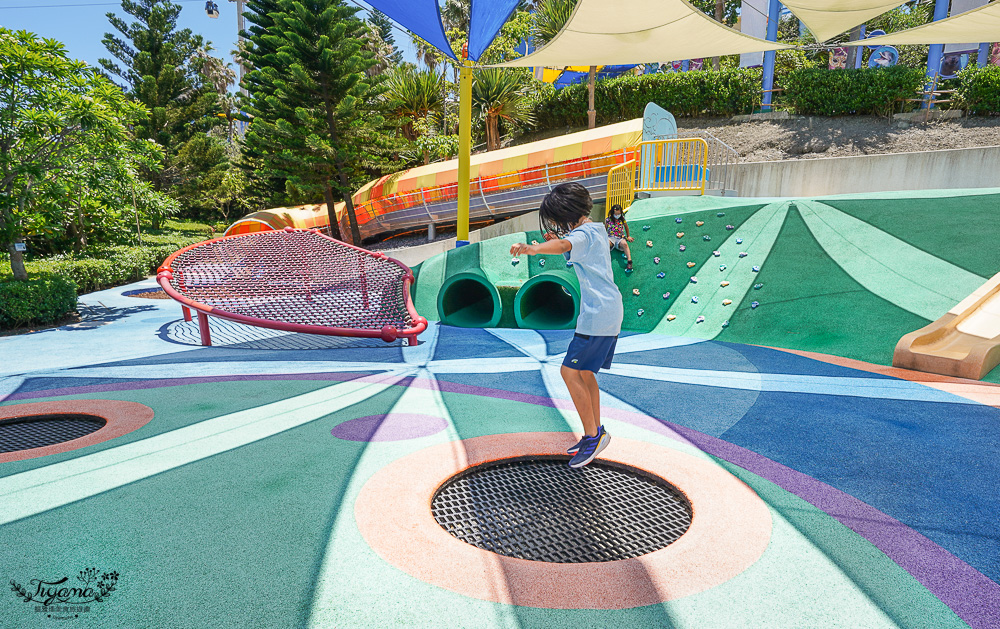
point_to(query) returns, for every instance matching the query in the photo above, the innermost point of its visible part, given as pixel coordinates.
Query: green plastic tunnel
(548, 301)
(469, 300)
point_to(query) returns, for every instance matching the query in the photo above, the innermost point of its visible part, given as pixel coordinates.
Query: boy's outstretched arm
(551, 247)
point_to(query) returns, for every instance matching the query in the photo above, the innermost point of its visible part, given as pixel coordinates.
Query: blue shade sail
(420, 17)
(485, 21)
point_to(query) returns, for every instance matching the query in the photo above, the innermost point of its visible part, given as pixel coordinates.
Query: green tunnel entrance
(549, 301)
(469, 300)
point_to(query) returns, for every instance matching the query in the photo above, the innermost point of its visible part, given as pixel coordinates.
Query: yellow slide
(964, 343)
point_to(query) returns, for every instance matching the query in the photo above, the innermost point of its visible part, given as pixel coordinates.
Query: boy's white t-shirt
(601, 309)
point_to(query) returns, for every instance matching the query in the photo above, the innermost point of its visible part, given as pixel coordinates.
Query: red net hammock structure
(294, 280)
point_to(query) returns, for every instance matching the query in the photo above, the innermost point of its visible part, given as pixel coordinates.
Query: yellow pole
(464, 150)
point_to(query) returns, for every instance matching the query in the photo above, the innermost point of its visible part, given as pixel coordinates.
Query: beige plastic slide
(964, 343)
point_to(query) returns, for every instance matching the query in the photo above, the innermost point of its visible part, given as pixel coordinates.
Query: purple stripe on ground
(969, 593)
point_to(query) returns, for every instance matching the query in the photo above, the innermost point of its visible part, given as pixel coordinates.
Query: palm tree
(415, 94)
(383, 52)
(498, 93)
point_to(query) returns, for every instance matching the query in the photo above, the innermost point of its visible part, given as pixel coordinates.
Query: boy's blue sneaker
(576, 448)
(590, 447)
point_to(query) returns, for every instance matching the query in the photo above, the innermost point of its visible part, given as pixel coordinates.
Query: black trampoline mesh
(543, 510)
(35, 431)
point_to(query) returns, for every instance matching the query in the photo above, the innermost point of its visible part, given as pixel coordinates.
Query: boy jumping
(565, 219)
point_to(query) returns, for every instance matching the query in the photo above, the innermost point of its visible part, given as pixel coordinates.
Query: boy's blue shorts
(590, 353)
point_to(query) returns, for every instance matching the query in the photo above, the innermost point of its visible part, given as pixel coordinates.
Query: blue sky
(80, 24)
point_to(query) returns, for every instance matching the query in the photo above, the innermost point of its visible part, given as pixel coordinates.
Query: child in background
(618, 235)
(565, 218)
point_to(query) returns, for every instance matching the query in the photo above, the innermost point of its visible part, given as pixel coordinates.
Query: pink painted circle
(391, 427)
(730, 529)
(120, 419)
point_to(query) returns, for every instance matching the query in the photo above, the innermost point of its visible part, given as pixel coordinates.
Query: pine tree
(383, 25)
(156, 65)
(319, 120)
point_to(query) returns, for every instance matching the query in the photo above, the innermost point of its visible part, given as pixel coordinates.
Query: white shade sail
(978, 25)
(639, 31)
(828, 18)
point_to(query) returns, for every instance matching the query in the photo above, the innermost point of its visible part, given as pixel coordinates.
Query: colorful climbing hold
(690, 265)
(515, 261)
(680, 234)
(726, 302)
(716, 253)
(656, 260)
(699, 223)
(671, 317)
(725, 323)
(649, 243)
(743, 254)
(694, 300)
(661, 275)
(755, 269)
(722, 267)
(678, 220)
(541, 262)
(635, 291)
(721, 214)
(639, 313)
(758, 286)
(729, 228)
(568, 264)
(723, 283)
(754, 304)
(739, 241)
(666, 295)
(700, 319)
(694, 280)
(682, 248)
(645, 228)
(706, 237)
(534, 242)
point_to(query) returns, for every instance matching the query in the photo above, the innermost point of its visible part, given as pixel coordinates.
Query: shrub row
(864, 91)
(108, 266)
(45, 299)
(979, 89)
(722, 93)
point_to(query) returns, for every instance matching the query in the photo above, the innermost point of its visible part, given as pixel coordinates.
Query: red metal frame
(165, 274)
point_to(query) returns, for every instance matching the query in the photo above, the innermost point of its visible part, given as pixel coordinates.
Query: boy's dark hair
(564, 207)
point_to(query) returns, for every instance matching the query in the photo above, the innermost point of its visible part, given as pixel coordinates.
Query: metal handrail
(621, 186)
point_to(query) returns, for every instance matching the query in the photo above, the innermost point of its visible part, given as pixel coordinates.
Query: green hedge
(106, 267)
(823, 92)
(45, 299)
(979, 89)
(722, 93)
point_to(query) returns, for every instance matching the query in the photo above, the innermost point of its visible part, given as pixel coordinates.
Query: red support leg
(206, 336)
(187, 313)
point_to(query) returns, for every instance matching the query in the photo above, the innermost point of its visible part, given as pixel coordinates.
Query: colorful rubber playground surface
(283, 480)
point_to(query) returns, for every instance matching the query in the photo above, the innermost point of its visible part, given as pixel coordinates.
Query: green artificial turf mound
(846, 275)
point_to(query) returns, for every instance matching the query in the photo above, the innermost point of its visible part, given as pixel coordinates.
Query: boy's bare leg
(590, 382)
(581, 398)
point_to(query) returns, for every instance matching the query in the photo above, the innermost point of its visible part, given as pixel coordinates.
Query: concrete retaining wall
(926, 170)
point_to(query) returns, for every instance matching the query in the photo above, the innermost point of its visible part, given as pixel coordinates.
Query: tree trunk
(81, 232)
(492, 132)
(591, 112)
(17, 261)
(352, 218)
(331, 213)
(720, 9)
